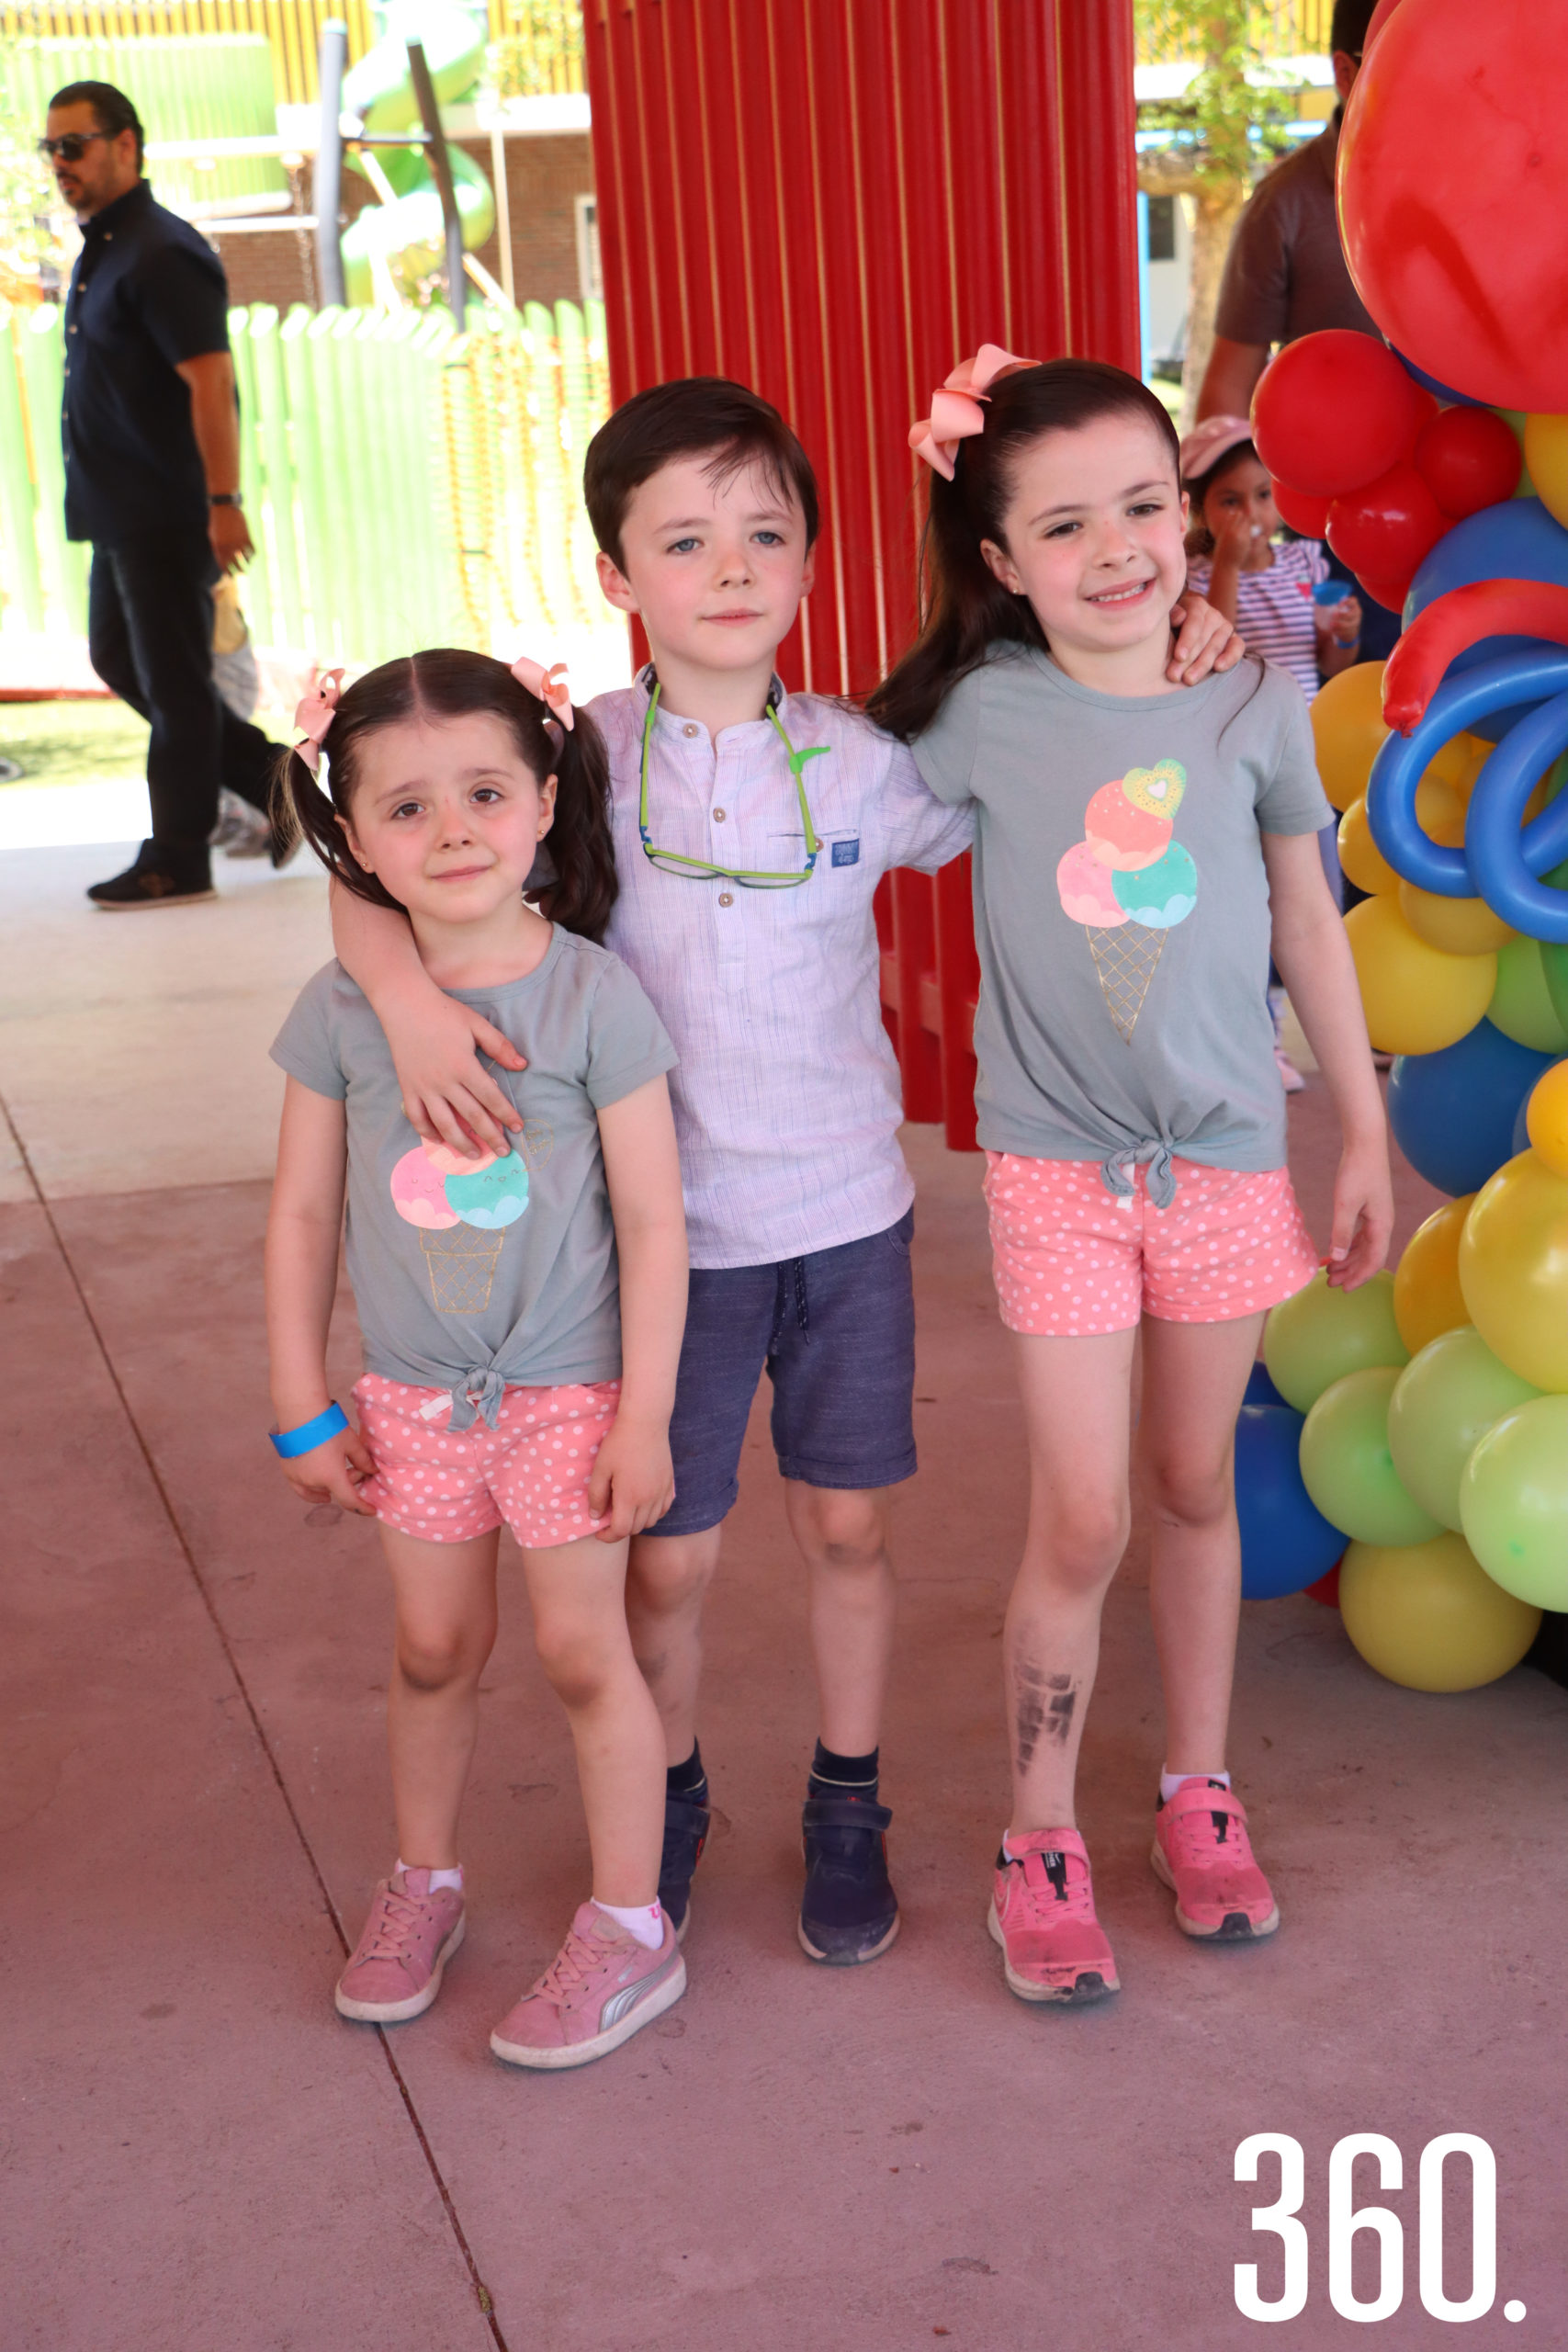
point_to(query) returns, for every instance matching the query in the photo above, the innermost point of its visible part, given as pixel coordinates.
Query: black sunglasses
(71, 148)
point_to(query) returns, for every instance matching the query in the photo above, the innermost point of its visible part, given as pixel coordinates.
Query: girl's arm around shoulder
(633, 1478)
(302, 1232)
(1314, 957)
(434, 1041)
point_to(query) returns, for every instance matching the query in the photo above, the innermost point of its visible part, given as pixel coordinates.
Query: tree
(1210, 155)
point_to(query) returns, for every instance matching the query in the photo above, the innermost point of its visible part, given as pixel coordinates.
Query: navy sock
(688, 1779)
(842, 1776)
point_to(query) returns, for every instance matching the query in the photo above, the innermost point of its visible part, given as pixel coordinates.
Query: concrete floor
(198, 2150)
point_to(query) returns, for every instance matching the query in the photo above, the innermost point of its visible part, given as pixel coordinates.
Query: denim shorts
(835, 1332)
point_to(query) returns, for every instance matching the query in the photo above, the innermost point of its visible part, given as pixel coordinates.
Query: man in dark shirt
(151, 431)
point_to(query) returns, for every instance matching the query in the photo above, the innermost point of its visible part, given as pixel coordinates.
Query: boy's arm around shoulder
(918, 826)
(633, 1478)
(302, 1234)
(435, 1043)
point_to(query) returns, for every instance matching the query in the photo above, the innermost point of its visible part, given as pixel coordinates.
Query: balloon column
(1435, 1404)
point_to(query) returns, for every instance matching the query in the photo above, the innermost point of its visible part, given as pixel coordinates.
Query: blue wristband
(309, 1435)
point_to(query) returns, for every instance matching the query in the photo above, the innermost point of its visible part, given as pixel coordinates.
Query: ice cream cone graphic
(461, 1262)
(1129, 884)
(1124, 959)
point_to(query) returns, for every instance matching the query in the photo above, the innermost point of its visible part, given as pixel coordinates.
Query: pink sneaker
(1202, 1852)
(1054, 1948)
(397, 1965)
(601, 1987)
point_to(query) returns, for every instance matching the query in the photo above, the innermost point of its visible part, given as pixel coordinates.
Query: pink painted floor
(198, 2152)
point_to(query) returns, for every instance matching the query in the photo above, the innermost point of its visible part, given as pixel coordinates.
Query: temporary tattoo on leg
(1045, 1702)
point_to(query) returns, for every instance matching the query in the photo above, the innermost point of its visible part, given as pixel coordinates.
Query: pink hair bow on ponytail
(550, 686)
(313, 715)
(956, 406)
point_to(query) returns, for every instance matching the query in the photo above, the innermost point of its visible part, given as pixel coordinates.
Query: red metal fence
(833, 200)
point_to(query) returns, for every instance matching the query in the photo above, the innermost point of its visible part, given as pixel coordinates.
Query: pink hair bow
(956, 406)
(314, 714)
(550, 686)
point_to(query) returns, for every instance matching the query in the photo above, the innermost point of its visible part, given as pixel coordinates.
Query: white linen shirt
(786, 1093)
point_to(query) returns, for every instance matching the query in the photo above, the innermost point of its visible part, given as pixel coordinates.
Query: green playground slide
(379, 93)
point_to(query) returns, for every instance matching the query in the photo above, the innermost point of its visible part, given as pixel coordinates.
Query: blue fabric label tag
(846, 853)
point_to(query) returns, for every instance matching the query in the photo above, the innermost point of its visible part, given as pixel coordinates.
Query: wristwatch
(224, 498)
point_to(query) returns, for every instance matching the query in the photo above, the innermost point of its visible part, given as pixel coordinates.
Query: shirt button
(688, 730)
(719, 816)
(726, 898)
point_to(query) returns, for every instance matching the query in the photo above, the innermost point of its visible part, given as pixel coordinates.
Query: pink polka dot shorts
(1071, 1260)
(448, 1485)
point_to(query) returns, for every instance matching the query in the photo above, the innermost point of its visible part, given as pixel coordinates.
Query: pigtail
(301, 810)
(580, 845)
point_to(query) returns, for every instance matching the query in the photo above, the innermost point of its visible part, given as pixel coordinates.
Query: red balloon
(1455, 621)
(1453, 190)
(1307, 515)
(1376, 22)
(1467, 460)
(1326, 1588)
(1384, 531)
(1334, 412)
(1389, 594)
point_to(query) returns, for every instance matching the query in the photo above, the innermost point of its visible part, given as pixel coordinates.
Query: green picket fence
(191, 85)
(405, 485)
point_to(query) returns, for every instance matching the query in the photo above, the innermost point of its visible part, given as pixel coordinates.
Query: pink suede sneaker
(1054, 1948)
(397, 1965)
(601, 1987)
(1202, 1852)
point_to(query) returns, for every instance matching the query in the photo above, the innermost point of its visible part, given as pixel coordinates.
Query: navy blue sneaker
(685, 1835)
(848, 1911)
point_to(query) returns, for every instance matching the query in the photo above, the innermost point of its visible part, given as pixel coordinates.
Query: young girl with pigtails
(521, 1311)
(1137, 848)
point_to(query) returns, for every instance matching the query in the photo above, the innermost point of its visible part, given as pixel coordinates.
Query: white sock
(453, 1879)
(643, 1920)
(1171, 1781)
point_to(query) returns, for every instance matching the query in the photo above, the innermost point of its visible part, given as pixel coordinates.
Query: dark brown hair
(450, 682)
(694, 416)
(113, 110)
(964, 609)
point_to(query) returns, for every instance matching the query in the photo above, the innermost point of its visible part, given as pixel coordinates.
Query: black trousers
(150, 640)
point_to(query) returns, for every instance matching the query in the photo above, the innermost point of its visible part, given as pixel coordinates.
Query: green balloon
(1348, 1469)
(1554, 959)
(1522, 1004)
(1514, 1496)
(1319, 1335)
(1443, 1404)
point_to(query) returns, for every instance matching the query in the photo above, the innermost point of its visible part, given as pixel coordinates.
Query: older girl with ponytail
(521, 1311)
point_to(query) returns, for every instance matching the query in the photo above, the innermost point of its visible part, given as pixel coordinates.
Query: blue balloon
(1260, 1389)
(1516, 539)
(1503, 859)
(1452, 1112)
(1443, 392)
(1286, 1543)
(1540, 672)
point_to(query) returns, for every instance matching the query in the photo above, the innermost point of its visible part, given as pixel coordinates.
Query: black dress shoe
(155, 880)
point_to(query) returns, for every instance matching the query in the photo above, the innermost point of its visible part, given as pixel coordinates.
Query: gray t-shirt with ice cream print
(1121, 908)
(478, 1276)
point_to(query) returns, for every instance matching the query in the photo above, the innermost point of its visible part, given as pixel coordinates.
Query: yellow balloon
(1348, 726)
(1429, 1616)
(1546, 1118)
(1458, 763)
(1428, 1300)
(1417, 1000)
(1546, 459)
(1360, 856)
(1440, 810)
(1457, 926)
(1513, 1269)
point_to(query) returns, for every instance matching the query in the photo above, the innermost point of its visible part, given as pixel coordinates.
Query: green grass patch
(73, 742)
